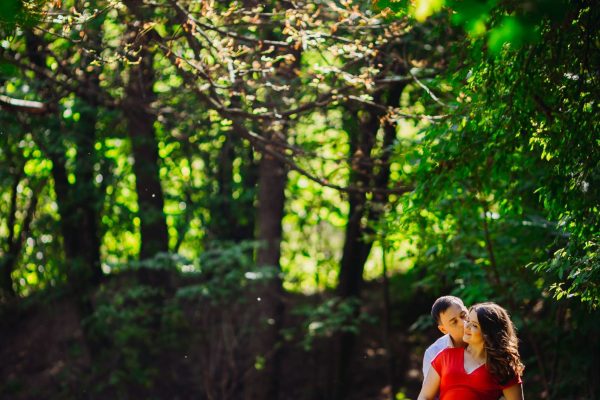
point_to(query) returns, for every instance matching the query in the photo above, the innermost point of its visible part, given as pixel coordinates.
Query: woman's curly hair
(501, 344)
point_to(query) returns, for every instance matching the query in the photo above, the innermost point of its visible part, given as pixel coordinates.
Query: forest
(261, 200)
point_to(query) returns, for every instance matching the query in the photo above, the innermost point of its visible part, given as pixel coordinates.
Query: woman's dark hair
(501, 344)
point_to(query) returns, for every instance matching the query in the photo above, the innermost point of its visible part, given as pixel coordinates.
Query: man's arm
(427, 359)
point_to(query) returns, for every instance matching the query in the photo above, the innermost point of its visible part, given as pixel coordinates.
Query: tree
(137, 106)
(532, 99)
(20, 207)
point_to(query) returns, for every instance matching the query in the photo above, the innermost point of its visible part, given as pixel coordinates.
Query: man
(449, 313)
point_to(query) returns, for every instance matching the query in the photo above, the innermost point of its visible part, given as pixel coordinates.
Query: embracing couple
(477, 358)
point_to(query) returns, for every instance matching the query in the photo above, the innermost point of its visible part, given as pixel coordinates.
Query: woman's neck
(477, 352)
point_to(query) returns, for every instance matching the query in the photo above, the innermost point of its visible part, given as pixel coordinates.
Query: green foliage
(505, 206)
(160, 262)
(577, 268)
(137, 328)
(124, 326)
(18, 12)
(227, 271)
(25, 175)
(500, 23)
(331, 317)
(503, 183)
(497, 133)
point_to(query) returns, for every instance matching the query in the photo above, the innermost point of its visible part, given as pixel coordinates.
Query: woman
(487, 368)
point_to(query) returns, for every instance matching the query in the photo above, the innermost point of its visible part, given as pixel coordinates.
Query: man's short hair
(442, 304)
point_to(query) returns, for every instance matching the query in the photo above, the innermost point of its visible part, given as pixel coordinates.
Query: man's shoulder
(440, 344)
(434, 350)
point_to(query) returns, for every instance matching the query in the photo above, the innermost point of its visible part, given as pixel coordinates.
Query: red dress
(456, 384)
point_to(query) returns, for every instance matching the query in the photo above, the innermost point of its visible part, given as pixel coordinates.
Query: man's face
(452, 322)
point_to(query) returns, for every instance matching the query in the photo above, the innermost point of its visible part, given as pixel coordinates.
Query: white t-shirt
(433, 350)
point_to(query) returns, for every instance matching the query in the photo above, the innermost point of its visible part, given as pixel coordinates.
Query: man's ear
(442, 329)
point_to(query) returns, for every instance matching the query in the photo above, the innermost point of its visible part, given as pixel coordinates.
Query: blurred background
(261, 200)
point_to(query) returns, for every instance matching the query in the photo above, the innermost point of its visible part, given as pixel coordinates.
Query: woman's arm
(515, 392)
(431, 385)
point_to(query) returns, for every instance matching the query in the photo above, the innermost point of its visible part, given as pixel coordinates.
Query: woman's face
(473, 333)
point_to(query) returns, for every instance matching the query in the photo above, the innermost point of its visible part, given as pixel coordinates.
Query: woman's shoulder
(454, 350)
(450, 353)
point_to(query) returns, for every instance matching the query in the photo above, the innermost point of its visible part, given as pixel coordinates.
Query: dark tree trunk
(140, 119)
(272, 180)
(382, 179)
(15, 244)
(232, 217)
(140, 116)
(263, 384)
(89, 198)
(78, 203)
(356, 250)
(363, 133)
(271, 199)
(9, 259)
(249, 174)
(225, 222)
(6, 267)
(81, 245)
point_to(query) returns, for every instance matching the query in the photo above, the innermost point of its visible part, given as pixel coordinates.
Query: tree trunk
(263, 383)
(89, 198)
(233, 219)
(140, 120)
(78, 203)
(272, 180)
(357, 247)
(249, 172)
(16, 242)
(8, 261)
(83, 259)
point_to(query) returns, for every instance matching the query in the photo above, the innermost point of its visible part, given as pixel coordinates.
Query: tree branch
(26, 106)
